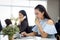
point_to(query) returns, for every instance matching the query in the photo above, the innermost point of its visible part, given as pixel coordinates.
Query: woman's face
(21, 15)
(38, 14)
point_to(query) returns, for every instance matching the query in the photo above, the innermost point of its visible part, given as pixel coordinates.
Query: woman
(23, 23)
(44, 24)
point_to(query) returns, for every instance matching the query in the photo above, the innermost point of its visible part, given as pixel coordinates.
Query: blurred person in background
(8, 22)
(0, 26)
(23, 22)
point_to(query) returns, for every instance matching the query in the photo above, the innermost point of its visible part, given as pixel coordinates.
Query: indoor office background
(11, 8)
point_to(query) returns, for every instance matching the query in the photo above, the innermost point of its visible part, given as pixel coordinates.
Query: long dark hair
(41, 8)
(24, 13)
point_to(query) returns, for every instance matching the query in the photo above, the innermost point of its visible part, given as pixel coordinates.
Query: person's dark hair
(59, 20)
(0, 26)
(8, 22)
(24, 13)
(41, 8)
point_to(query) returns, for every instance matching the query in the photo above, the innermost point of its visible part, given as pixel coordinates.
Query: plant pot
(10, 37)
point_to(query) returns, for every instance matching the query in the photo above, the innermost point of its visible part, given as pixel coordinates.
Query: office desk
(36, 38)
(27, 38)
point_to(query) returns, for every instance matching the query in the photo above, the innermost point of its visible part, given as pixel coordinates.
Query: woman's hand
(37, 21)
(24, 33)
(21, 19)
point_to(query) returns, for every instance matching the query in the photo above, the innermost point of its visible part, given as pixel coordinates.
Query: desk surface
(27, 38)
(36, 38)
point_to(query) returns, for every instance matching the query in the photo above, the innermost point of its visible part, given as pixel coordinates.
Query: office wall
(53, 9)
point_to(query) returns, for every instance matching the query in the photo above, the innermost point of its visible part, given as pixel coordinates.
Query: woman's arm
(31, 34)
(28, 34)
(43, 34)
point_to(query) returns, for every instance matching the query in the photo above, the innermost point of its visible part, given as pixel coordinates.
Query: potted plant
(10, 31)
